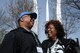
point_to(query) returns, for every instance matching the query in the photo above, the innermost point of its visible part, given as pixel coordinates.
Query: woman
(56, 43)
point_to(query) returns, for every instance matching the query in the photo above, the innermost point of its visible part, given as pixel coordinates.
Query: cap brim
(33, 15)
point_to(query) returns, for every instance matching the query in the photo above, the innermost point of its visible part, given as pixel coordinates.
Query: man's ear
(21, 19)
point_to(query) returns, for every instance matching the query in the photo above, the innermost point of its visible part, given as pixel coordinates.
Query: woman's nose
(48, 29)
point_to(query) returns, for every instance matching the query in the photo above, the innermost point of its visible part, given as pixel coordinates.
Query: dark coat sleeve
(45, 46)
(71, 46)
(7, 44)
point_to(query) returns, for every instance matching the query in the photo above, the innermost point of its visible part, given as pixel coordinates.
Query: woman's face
(52, 31)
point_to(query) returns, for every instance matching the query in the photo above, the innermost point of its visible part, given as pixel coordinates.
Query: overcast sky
(3, 3)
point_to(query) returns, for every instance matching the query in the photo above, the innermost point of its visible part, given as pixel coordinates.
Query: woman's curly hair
(58, 26)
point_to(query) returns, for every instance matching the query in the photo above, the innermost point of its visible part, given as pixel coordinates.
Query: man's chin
(30, 27)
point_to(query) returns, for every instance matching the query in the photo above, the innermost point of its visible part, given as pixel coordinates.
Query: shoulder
(45, 41)
(14, 31)
(70, 46)
(10, 34)
(8, 37)
(70, 42)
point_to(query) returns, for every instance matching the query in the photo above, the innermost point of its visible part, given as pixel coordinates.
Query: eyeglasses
(32, 19)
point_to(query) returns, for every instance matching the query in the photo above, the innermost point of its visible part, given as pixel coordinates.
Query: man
(22, 39)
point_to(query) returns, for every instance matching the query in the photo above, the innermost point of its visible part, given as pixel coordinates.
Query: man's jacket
(19, 41)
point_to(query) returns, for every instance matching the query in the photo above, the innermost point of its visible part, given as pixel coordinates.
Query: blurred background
(67, 11)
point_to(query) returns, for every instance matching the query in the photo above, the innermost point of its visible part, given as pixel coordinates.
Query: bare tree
(70, 12)
(16, 7)
(70, 17)
(1, 16)
(73, 3)
(2, 29)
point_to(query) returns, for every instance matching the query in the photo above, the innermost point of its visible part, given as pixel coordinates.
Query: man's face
(28, 21)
